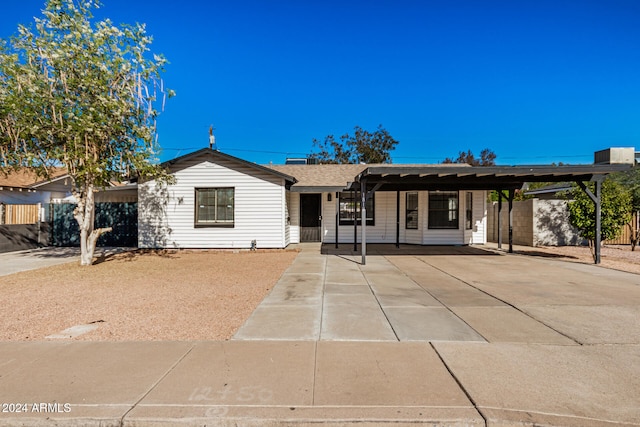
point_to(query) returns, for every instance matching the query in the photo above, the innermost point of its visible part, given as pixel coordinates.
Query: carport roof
(456, 177)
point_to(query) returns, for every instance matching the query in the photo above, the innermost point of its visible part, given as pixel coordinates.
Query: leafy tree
(361, 147)
(82, 95)
(487, 158)
(615, 211)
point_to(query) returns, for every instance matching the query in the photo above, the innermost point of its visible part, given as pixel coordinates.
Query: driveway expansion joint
(155, 384)
(457, 380)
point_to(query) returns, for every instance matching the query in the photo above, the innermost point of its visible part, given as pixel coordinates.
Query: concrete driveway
(531, 341)
(32, 259)
(447, 294)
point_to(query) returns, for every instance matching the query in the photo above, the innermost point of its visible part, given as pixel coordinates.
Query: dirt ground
(190, 295)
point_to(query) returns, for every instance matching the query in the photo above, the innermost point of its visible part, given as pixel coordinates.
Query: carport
(503, 179)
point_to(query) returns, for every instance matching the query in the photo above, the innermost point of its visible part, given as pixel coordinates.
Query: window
(214, 207)
(350, 203)
(443, 209)
(412, 211)
(468, 206)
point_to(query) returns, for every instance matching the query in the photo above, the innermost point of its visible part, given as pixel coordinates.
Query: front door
(310, 219)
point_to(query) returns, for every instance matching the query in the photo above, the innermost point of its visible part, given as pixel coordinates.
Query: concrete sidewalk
(445, 336)
(257, 383)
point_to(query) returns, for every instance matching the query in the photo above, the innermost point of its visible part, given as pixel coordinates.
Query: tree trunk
(84, 213)
(635, 231)
(592, 245)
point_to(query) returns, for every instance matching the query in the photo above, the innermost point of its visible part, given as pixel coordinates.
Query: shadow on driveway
(390, 249)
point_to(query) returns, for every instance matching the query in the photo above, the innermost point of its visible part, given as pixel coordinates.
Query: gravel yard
(186, 295)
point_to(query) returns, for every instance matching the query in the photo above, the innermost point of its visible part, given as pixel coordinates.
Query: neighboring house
(221, 201)
(22, 210)
(24, 187)
(36, 212)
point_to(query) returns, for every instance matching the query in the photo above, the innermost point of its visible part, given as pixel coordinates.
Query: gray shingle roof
(320, 175)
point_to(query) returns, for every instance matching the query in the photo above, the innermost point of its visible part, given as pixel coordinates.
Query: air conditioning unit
(615, 156)
(301, 161)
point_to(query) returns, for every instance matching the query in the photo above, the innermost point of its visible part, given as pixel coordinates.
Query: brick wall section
(522, 223)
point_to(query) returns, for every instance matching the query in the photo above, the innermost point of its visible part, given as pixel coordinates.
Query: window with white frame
(443, 209)
(350, 208)
(411, 221)
(215, 207)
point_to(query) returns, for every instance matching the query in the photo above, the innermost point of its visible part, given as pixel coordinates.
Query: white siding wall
(412, 236)
(287, 225)
(294, 215)
(259, 212)
(384, 230)
(479, 218)
(477, 235)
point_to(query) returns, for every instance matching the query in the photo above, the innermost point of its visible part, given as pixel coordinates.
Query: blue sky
(535, 81)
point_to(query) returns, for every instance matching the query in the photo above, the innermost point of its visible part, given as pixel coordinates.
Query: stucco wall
(535, 223)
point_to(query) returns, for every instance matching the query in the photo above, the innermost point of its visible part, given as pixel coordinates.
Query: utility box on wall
(615, 156)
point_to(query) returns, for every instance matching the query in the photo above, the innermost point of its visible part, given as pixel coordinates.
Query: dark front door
(310, 220)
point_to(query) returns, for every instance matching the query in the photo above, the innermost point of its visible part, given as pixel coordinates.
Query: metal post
(499, 219)
(355, 221)
(597, 201)
(511, 195)
(337, 216)
(398, 219)
(598, 204)
(363, 216)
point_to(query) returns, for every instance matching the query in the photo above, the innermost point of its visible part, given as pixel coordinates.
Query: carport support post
(511, 195)
(355, 221)
(499, 219)
(398, 219)
(597, 201)
(363, 216)
(598, 219)
(337, 216)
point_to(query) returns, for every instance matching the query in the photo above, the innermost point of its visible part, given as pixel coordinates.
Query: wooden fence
(19, 214)
(625, 235)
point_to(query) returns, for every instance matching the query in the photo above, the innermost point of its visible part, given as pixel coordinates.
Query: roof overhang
(463, 177)
(317, 189)
(289, 180)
